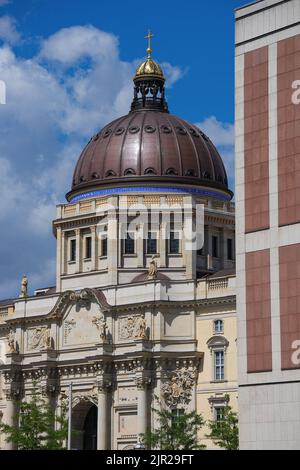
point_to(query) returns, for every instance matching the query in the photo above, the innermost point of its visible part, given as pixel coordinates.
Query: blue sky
(68, 66)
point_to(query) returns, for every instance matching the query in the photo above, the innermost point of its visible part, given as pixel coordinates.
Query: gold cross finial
(149, 36)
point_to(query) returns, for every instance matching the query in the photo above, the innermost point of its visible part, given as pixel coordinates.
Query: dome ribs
(131, 145)
(148, 146)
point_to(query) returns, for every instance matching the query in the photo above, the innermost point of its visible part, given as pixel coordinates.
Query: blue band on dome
(151, 189)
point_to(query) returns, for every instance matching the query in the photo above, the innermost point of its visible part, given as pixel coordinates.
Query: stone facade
(120, 338)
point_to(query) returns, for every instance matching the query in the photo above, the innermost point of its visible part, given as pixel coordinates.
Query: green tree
(175, 431)
(225, 432)
(38, 426)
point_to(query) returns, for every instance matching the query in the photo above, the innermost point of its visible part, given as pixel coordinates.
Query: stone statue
(24, 287)
(49, 342)
(11, 342)
(152, 271)
(141, 328)
(103, 328)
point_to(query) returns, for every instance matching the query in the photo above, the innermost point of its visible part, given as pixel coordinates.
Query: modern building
(267, 54)
(136, 312)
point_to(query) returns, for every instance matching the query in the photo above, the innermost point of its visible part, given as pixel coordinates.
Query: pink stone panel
(289, 272)
(288, 114)
(256, 140)
(258, 311)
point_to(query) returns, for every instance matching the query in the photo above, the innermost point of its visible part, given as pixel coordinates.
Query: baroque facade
(138, 313)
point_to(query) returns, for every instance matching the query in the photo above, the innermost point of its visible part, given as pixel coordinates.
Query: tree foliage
(225, 433)
(174, 432)
(37, 426)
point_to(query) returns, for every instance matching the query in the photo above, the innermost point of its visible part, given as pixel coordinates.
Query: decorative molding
(85, 295)
(217, 342)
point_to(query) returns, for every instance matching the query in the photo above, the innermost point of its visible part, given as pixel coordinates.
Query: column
(9, 417)
(58, 258)
(94, 248)
(102, 421)
(112, 242)
(78, 251)
(141, 385)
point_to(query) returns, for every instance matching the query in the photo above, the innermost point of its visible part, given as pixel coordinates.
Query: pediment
(79, 299)
(217, 342)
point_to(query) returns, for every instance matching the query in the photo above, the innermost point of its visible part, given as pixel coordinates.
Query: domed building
(144, 301)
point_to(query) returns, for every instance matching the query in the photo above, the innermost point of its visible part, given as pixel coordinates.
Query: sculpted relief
(38, 338)
(178, 389)
(133, 327)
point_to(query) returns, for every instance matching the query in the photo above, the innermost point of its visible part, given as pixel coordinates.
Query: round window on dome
(134, 129)
(166, 129)
(149, 129)
(181, 130)
(129, 171)
(110, 173)
(107, 133)
(119, 130)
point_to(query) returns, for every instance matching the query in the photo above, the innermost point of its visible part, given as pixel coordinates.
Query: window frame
(215, 330)
(222, 365)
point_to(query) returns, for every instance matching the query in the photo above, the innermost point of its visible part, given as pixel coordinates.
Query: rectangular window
(219, 413)
(174, 243)
(176, 413)
(218, 326)
(215, 246)
(151, 243)
(104, 246)
(219, 365)
(129, 244)
(73, 250)
(88, 247)
(229, 248)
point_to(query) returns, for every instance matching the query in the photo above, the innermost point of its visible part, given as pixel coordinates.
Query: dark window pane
(104, 247)
(151, 243)
(215, 246)
(174, 243)
(229, 248)
(88, 247)
(129, 246)
(72, 250)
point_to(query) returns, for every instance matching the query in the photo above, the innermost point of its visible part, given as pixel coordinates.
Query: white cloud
(4, 2)
(69, 45)
(222, 135)
(8, 30)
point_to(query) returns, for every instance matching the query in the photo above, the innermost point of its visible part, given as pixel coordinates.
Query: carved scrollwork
(178, 389)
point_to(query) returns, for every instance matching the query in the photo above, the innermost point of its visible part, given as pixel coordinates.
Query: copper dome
(149, 146)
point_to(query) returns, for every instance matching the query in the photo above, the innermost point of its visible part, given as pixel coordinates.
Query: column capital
(103, 383)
